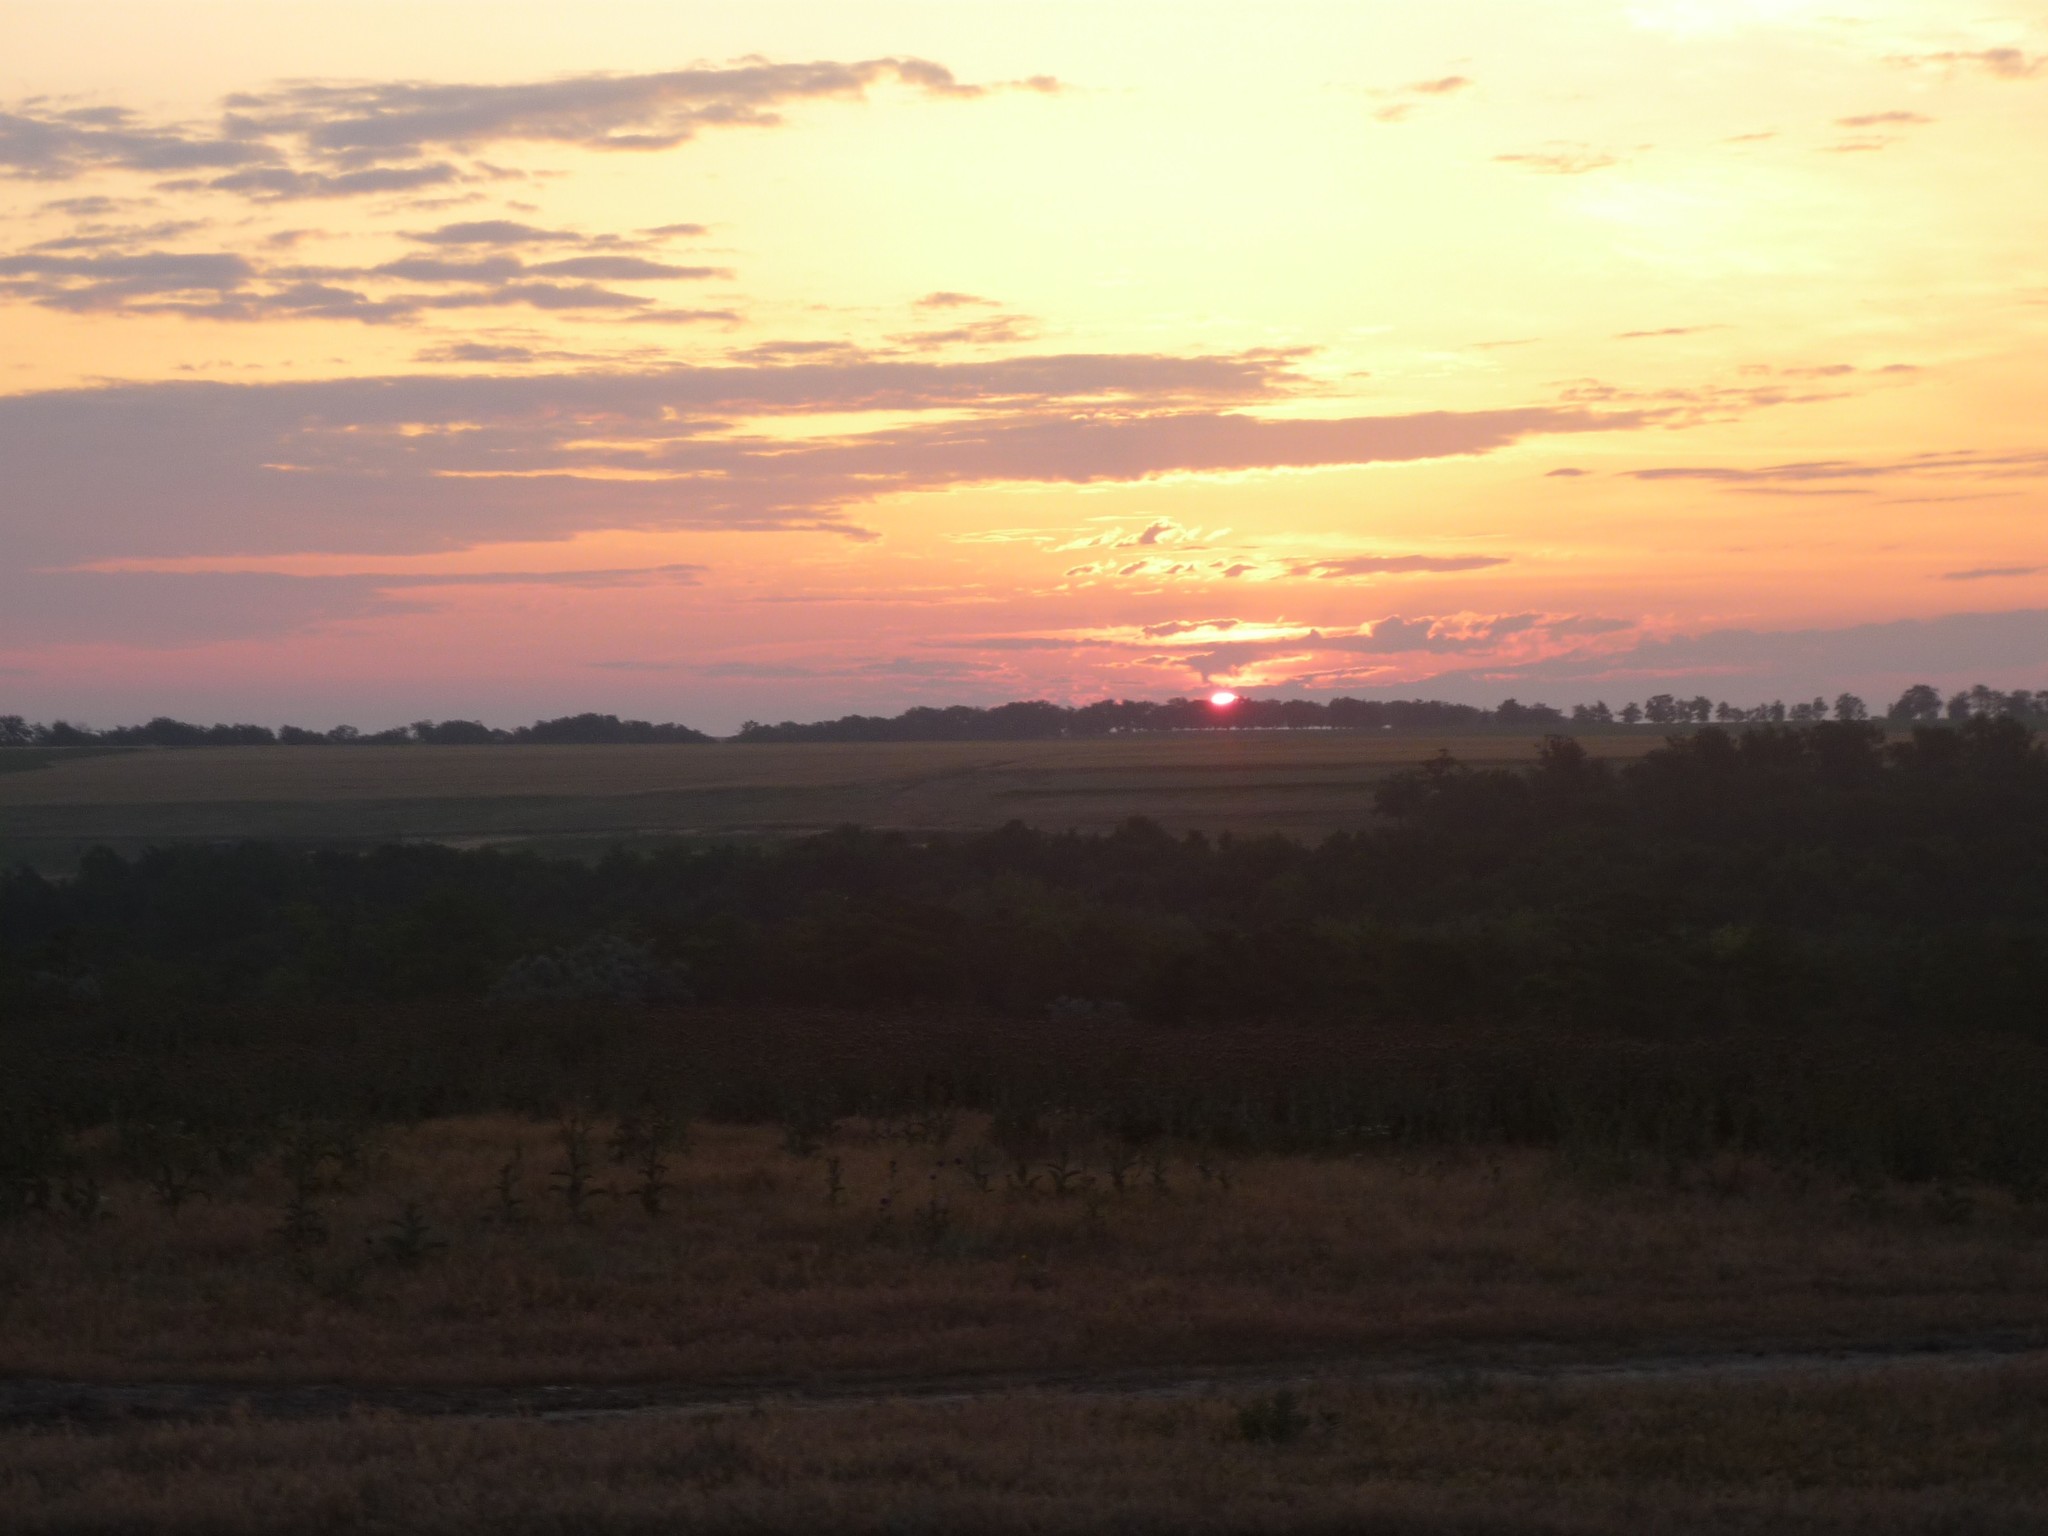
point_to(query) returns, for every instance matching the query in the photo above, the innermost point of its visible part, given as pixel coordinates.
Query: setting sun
(1223, 698)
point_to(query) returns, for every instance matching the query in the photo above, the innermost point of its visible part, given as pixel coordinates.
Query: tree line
(1778, 877)
(163, 731)
(1037, 720)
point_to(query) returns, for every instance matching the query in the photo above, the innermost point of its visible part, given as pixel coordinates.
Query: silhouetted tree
(1919, 702)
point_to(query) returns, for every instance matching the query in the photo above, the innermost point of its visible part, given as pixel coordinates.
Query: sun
(1223, 698)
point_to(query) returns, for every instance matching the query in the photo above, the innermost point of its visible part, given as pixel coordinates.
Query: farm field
(1874, 1453)
(505, 1251)
(902, 1319)
(1302, 785)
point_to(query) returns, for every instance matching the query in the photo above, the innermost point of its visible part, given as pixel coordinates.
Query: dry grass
(1302, 785)
(756, 1271)
(1903, 1451)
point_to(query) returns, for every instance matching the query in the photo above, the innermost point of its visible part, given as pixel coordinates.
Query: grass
(1302, 785)
(1902, 1451)
(440, 1254)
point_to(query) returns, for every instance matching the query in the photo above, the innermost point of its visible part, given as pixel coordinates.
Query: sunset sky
(367, 362)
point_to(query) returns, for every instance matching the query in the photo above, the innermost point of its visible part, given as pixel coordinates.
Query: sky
(370, 362)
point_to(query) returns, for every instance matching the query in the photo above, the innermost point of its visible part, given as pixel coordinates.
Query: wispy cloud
(1354, 567)
(430, 461)
(1999, 63)
(1994, 572)
(321, 140)
(1562, 160)
(1402, 102)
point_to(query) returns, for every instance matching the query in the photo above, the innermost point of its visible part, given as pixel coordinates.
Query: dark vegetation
(1036, 720)
(569, 730)
(1800, 941)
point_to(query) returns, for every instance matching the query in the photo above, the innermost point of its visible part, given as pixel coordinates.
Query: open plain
(1303, 784)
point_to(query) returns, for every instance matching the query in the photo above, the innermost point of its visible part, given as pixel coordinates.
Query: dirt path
(28, 1403)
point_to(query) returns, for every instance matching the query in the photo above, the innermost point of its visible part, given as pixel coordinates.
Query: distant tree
(1726, 713)
(1631, 714)
(299, 736)
(1661, 709)
(15, 731)
(1592, 714)
(453, 733)
(1849, 707)
(1918, 703)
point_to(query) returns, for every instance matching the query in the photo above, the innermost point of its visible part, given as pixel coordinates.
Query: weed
(573, 1180)
(934, 1219)
(304, 1225)
(933, 1125)
(1066, 1176)
(1121, 1162)
(981, 1164)
(806, 1123)
(510, 1188)
(651, 1163)
(407, 1239)
(1155, 1175)
(1023, 1177)
(174, 1166)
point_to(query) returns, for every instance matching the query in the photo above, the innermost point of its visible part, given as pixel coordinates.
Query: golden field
(885, 1255)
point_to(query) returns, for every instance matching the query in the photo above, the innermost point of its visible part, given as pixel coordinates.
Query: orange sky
(368, 362)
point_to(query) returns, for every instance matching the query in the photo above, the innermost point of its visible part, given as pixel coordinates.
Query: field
(1570, 1151)
(1302, 785)
(906, 1327)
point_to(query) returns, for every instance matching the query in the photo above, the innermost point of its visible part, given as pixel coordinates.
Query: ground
(1304, 784)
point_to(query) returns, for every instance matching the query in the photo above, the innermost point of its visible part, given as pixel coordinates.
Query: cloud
(622, 269)
(176, 608)
(1178, 627)
(1956, 647)
(2000, 63)
(1402, 101)
(1669, 330)
(323, 139)
(152, 609)
(278, 183)
(51, 144)
(145, 279)
(947, 299)
(499, 232)
(995, 331)
(1356, 566)
(1562, 160)
(1993, 572)
(402, 120)
(220, 285)
(1959, 461)
(438, 461)
(1884, 120)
